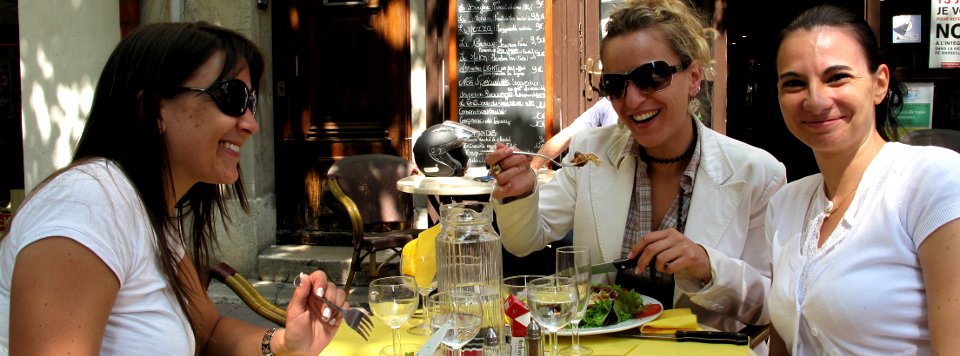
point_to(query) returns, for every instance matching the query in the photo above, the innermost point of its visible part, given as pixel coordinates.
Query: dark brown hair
(149, 64)
(857, 27)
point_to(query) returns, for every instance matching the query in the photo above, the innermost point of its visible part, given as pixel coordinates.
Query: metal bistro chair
(933, 137)
(223, 272)
(379, 214)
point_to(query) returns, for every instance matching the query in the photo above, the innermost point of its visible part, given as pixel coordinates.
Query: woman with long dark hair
(106, 255)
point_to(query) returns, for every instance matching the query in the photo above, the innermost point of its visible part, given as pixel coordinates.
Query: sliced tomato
(648, 310)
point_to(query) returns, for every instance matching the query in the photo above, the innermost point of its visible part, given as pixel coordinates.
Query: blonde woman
(667, 188)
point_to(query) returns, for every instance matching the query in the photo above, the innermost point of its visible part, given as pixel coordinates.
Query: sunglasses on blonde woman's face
(650, 77)
(231, 96)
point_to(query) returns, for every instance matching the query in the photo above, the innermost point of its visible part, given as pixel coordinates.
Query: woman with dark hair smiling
(864, 252)
(105, 255)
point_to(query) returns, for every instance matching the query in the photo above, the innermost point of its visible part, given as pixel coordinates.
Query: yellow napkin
(672, 320)
(420, 256)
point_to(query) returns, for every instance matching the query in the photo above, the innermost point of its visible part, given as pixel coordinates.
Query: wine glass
(393, 300)
(517, 286)
(574, 262)
(460, 312)
(424, 273)
(553, 300)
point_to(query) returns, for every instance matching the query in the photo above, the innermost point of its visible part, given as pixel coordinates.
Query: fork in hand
(558, 164)
(356, 318)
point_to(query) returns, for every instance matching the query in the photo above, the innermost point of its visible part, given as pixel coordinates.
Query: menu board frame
(500, 72)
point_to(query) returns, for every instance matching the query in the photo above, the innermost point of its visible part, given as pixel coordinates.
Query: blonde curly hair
(684, 29)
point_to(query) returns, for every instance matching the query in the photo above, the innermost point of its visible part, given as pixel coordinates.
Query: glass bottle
(469, 257)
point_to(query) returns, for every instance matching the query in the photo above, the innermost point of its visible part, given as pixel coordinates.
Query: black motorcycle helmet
(439, 150)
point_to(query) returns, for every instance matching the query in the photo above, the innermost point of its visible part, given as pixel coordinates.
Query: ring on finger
(495, 170)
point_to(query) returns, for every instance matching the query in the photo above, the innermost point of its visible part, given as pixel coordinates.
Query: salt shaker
(533, 340)
(491, 343)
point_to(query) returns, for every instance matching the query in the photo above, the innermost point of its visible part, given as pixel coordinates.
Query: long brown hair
(149, 64)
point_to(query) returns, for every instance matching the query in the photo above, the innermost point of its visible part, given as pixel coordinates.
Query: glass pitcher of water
(469, 258)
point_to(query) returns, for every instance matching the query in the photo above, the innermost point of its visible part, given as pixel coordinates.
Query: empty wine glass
(393, 300)
(574, 262)
(424, 273)
(460, 313)
(553, 300)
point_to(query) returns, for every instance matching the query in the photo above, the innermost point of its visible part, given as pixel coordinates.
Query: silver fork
(559, 164)
(356, 318)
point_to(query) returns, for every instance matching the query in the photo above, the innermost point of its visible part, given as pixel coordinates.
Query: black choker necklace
(684, 156)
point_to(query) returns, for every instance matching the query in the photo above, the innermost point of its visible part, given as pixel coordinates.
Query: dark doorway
(342, 73)
(11, 139)
(753, 112)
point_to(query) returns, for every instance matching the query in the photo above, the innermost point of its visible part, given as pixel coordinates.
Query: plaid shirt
(639, 217)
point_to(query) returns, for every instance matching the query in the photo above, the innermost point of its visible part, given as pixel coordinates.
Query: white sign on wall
(906, 29)
(945, 34)
(917, 110)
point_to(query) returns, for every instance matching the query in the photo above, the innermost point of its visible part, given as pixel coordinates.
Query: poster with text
(945, 34)
(917, 111)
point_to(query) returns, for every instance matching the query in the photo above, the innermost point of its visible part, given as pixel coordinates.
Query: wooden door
(342, 70)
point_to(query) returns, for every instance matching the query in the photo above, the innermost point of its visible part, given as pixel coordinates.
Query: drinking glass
(393, 300)
(574, 262)
(553, 300)
(461, 312)
(517, 286)
(425, 274)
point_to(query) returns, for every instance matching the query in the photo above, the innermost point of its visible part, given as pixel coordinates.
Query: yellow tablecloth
(347, 342)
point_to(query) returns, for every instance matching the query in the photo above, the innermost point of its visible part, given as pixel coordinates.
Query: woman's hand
(673, 252)
(311, 324)
(511, 171)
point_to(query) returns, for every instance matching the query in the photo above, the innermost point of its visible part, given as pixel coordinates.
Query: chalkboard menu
(501, 76)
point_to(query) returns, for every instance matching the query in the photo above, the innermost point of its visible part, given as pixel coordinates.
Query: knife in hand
(615, 266)
(710, 337)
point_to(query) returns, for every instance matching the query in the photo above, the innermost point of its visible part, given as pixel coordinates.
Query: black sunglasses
(231, 96)
(648, 78)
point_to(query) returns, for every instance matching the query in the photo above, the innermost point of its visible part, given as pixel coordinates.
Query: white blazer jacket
(733, 183)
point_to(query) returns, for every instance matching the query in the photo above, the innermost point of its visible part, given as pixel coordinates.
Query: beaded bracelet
(265, 342)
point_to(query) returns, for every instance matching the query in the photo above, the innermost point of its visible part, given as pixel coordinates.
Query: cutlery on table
(710, 337)
(433, 342)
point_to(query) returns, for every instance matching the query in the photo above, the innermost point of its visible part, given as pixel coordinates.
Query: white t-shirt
(95, 205)
(599, 115)
(862, 292)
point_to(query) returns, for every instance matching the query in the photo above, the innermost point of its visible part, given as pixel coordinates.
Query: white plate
(632, 323)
